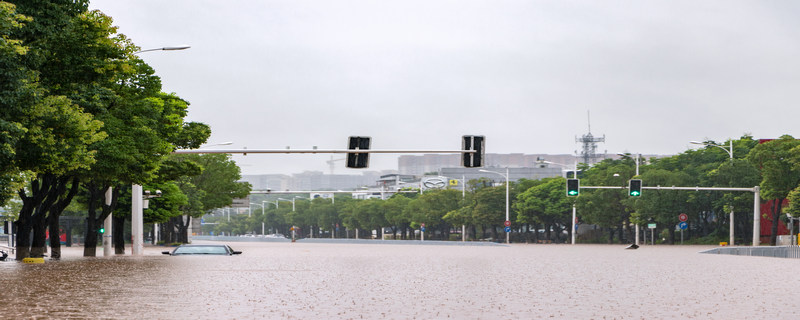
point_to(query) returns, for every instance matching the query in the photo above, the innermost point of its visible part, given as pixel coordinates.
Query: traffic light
(635, 187)
(473, 159)
(573, 187)
(102, 230)
(358, 160)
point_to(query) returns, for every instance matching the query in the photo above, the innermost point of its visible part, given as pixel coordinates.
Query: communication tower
(589, 142)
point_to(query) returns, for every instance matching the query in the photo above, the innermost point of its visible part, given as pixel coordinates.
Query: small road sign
(507, 223)
(683, 217)
(651, 225)
(422, 229)
(683, 225)
(508, 229)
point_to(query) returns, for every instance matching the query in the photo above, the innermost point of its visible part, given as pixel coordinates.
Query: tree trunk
(671, 235)
(118, 233)
(55, 237)
(168, 232)
(90, 243)
(55, 214)
(776, 213)
(23, 228)
(183, 228)
(31, 207)
(39, 241)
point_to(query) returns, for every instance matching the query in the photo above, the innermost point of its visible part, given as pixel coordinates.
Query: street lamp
(292, 201)
(295, 197)
(508, 234)
(729, 150)
(636, 159)
(219, 144)
(164, 49)
(137, 209)
(574, 209)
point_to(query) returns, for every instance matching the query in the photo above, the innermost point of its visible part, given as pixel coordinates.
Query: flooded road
(273, 280)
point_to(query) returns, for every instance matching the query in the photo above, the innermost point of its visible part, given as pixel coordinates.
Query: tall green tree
(215, 187)
(546, 204)
(54, 130)
(779, 175)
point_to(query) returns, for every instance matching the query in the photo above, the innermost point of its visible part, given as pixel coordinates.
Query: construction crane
(332, 163)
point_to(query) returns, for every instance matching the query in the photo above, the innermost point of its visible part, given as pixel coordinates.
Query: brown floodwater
(281, 280)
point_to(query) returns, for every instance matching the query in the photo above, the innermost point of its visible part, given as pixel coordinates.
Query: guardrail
(775, 252)
(10, 249)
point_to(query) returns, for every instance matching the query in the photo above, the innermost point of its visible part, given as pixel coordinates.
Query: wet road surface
(279, 280)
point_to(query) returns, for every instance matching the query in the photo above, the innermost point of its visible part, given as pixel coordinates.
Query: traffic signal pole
(756, 201)
(292, 151)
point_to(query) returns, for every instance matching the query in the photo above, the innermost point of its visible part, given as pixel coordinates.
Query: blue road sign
(423, 229)
(508, 229)
(683, 225)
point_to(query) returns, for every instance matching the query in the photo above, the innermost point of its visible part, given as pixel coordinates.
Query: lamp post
(729, 150)
(295, 197)
(508, 234)
(282, 199)
(250, 209)
(574, 209)
(137, 210)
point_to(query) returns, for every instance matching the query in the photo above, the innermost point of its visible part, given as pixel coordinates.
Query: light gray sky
(420, 74)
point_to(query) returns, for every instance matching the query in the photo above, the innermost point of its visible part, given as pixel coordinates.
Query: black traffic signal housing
(473, 143)
(573, 187)
(358, 160)
(635, 187)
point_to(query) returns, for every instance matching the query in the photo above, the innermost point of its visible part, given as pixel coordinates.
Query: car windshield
(201, 250)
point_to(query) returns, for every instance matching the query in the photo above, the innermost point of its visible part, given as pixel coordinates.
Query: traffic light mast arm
(243, 151)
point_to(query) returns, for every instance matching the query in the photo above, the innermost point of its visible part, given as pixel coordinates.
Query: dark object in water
(632, 246)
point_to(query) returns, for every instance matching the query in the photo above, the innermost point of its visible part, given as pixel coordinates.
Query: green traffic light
(102, 230)
(573, 187)
(635, 193)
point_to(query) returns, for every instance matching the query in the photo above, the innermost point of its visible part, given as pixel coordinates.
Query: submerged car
(202, 249)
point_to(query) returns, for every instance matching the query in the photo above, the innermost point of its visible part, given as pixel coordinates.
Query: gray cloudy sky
(420, 74)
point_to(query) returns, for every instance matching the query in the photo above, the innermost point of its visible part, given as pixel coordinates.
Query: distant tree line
(541, 210)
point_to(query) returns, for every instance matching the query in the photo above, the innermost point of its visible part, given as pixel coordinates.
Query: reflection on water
(323, 281)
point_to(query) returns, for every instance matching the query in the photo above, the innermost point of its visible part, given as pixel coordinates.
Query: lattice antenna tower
(589, 144)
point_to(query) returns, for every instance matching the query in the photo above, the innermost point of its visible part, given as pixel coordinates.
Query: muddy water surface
(353, 281)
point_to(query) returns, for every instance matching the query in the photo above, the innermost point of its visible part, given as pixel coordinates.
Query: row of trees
(80, 114)
(541, 209)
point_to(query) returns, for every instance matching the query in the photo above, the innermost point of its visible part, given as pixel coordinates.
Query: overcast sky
(420, 74)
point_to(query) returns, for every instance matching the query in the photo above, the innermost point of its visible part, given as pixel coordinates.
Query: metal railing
(775, 252)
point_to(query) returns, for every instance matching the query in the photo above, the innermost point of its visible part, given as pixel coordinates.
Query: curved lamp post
(574, 209)
(137, 209)
(508, 234)
(729, 150)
